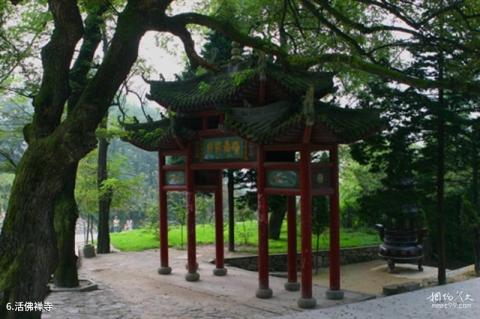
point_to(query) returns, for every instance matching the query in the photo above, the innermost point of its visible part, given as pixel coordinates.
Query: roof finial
(236, 56)
(308, 109)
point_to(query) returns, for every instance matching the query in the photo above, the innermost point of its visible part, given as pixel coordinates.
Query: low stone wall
(278, 262)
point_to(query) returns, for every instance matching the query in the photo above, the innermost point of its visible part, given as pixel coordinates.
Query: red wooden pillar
(263, 290)
(192, 274)
(219, 262)
(163, 218)
(334, 253)
(306, 300)
(292, 283)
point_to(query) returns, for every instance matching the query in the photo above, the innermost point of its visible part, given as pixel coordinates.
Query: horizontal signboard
(175, 178)
(224, 148)
(282, 178)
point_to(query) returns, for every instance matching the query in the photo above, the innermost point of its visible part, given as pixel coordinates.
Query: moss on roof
(215, 90)
(156, 135)
(348, 125)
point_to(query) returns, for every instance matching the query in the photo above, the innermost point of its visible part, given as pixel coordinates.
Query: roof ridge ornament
(308, 106)
(236, 57)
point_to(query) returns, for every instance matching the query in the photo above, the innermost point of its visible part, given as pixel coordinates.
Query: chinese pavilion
(261, 117)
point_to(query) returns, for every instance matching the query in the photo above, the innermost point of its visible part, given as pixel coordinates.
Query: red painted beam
(173, 167)
(223, 165)
(321, 165)
(173, 152)
(174, 188)
(324, 191)
(282, 147)
(163, 218)
(282, 165)
(282, 191)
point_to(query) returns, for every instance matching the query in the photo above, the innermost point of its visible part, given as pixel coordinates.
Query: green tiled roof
(215, 90)
(348, 125)
(155, 135)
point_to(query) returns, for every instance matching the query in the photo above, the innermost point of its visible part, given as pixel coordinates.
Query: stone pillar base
(307, 303)
(292, 286)
(264, 293)
(192, 276)
(220, 271)
(334, 294)
(165, 270)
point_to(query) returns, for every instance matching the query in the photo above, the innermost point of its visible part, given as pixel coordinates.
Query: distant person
(116, 224)
(129, 224)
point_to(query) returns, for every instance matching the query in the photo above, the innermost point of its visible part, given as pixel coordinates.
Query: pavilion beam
(334, 253)
(220, 269)
(292, 283)
(306, 300)
(163, 218)
(263, 291)
(192, 274)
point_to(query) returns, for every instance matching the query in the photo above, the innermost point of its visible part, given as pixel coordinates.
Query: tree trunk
(476, 203)
(276, 220)
(105, 199)
(277, 206)
(441, 223)
(28, 247)
(65, 220)
(231, 211)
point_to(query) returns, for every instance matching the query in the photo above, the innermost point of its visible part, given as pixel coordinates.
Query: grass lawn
(246, 236)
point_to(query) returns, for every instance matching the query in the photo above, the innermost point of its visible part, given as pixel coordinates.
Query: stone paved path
(412, 305)
(131, 288)
(98, 304)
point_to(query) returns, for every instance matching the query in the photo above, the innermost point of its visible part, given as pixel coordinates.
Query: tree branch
(8, 158)
(79, 128)
(229, 31)
(56, 58)
(386, 73)
(350, 41)
(91, 39)
(181, 31)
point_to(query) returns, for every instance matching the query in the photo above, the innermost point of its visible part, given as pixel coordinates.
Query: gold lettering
(236, 147)
(218, 148)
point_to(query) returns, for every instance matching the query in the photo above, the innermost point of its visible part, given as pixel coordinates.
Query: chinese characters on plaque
(224, 148)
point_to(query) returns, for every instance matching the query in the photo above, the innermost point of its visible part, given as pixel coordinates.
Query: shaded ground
(370, 277)
(131, 286)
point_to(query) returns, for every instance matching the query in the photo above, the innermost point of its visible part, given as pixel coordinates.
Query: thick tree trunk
(65, 220)
(28, 247)
(231, 211)
(276, 220)
(277, 206)
(105, 199)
